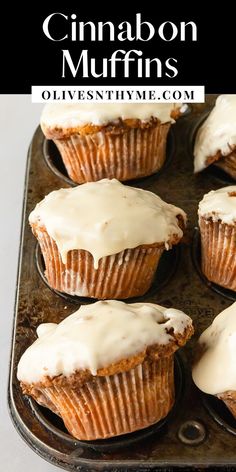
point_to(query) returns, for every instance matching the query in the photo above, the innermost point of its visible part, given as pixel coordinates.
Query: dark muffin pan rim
(219, 412)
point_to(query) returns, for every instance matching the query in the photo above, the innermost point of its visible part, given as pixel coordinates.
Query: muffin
(107, 369)
(117, 140)
(104, 239)
(216, 138)
(214, 371)
(217, 221)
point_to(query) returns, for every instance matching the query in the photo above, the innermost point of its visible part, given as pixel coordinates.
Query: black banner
(78, 45)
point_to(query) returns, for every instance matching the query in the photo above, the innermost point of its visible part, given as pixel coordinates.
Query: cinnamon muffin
(108, 369)
(214, 371)
(104, 239)
(217, 221)
(216, 138)
(117, 140)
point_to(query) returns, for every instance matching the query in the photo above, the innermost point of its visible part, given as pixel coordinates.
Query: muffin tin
(199, 432)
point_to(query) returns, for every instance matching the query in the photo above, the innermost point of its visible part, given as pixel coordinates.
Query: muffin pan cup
(200, 431)
(166, 269)
(95, 156)
(54, 161)
(55, 425)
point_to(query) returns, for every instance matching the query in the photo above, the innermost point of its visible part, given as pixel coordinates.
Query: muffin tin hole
(192, 433)
(196, 257)
(55, 425)
(166, 268)
(55, 163)
(212, 170)
(219, 412)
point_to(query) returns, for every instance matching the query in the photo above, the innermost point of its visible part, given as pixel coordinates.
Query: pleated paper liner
(55, 425)
(217, 169)
(166, 269)
(218, 252)
(54, 161)
(126, 274)
(196, 257)
(113, 405)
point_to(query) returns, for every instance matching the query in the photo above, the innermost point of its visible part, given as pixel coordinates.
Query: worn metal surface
(185, 290)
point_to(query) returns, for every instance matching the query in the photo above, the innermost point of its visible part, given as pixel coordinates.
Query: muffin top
(217, 134)
(107, 217)
(73, 115)
(100, 335)
(215, 369)
(219, 205)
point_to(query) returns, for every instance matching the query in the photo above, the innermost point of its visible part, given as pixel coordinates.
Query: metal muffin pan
(200, 431)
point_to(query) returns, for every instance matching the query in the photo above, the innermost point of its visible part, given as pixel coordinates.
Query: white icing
(215, 371)
(218, 132)
(71, 115)
(219, 205)
(96, 336)
(106, 217)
